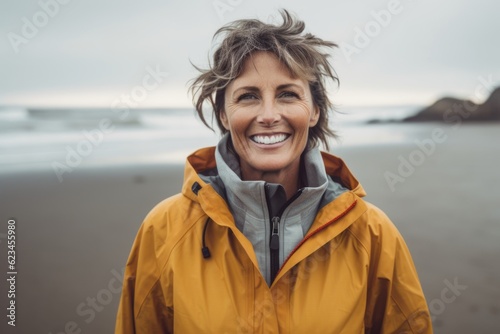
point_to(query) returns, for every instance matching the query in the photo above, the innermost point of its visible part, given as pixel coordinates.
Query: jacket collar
(203, 160)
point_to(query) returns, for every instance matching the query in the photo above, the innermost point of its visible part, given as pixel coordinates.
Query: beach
(73, 237)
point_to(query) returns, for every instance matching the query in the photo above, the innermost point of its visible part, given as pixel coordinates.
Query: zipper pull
(275, 238)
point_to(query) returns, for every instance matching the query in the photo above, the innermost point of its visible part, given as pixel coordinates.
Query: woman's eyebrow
(290, 85)
(252, 89)
(280, 87)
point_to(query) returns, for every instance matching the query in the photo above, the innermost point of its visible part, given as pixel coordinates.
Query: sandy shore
(73, 237)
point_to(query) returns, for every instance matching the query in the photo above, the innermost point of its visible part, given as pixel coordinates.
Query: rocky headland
(450, 109)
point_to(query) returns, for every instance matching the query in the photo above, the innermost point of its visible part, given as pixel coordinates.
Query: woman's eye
(288, 95)
(247, 96)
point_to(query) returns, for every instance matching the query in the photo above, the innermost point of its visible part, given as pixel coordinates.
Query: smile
(269, 140)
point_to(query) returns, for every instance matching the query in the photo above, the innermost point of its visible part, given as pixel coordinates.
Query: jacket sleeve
(395, 301)
(142, 306)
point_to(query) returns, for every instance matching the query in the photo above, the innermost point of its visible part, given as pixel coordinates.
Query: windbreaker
(351, 273)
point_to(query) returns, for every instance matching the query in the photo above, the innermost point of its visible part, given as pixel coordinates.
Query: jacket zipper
(274, 244)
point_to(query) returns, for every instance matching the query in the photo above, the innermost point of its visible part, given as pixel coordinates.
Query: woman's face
(268, 113)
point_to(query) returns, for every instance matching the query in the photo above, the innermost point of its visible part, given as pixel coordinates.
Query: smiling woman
(269, 234)
(268, 113)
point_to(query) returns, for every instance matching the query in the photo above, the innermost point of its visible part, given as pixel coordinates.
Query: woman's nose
(269, 114)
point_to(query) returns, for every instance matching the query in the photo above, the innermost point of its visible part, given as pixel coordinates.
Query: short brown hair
(301, 52)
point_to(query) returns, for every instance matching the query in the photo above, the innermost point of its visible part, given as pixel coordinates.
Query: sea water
(43, 138)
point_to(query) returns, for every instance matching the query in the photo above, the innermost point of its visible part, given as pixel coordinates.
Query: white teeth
(269, 140)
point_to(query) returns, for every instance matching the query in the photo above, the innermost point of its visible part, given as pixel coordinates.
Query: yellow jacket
(352, 273)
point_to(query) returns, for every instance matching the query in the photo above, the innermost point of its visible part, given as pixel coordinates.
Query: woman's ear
(223, 119)
(314, 117)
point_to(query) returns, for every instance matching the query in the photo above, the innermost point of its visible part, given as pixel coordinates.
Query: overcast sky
(91, 52)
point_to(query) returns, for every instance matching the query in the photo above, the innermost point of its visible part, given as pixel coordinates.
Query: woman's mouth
(269, 140)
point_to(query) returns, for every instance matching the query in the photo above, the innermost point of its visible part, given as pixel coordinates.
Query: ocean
(32, 138)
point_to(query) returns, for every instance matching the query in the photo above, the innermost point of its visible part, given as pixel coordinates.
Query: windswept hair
(302, 53)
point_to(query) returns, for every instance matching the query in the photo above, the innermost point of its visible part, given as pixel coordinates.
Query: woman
(269, 235)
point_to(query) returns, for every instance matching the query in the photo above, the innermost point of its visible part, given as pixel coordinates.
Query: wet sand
(73, 237)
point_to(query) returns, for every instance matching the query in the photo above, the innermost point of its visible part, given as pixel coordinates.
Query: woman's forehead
(267, 67)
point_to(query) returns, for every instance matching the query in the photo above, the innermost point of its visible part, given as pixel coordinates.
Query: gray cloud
(95, 49)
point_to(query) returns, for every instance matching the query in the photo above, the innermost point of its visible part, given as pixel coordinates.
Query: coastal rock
(449, 109)
(491, 108)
